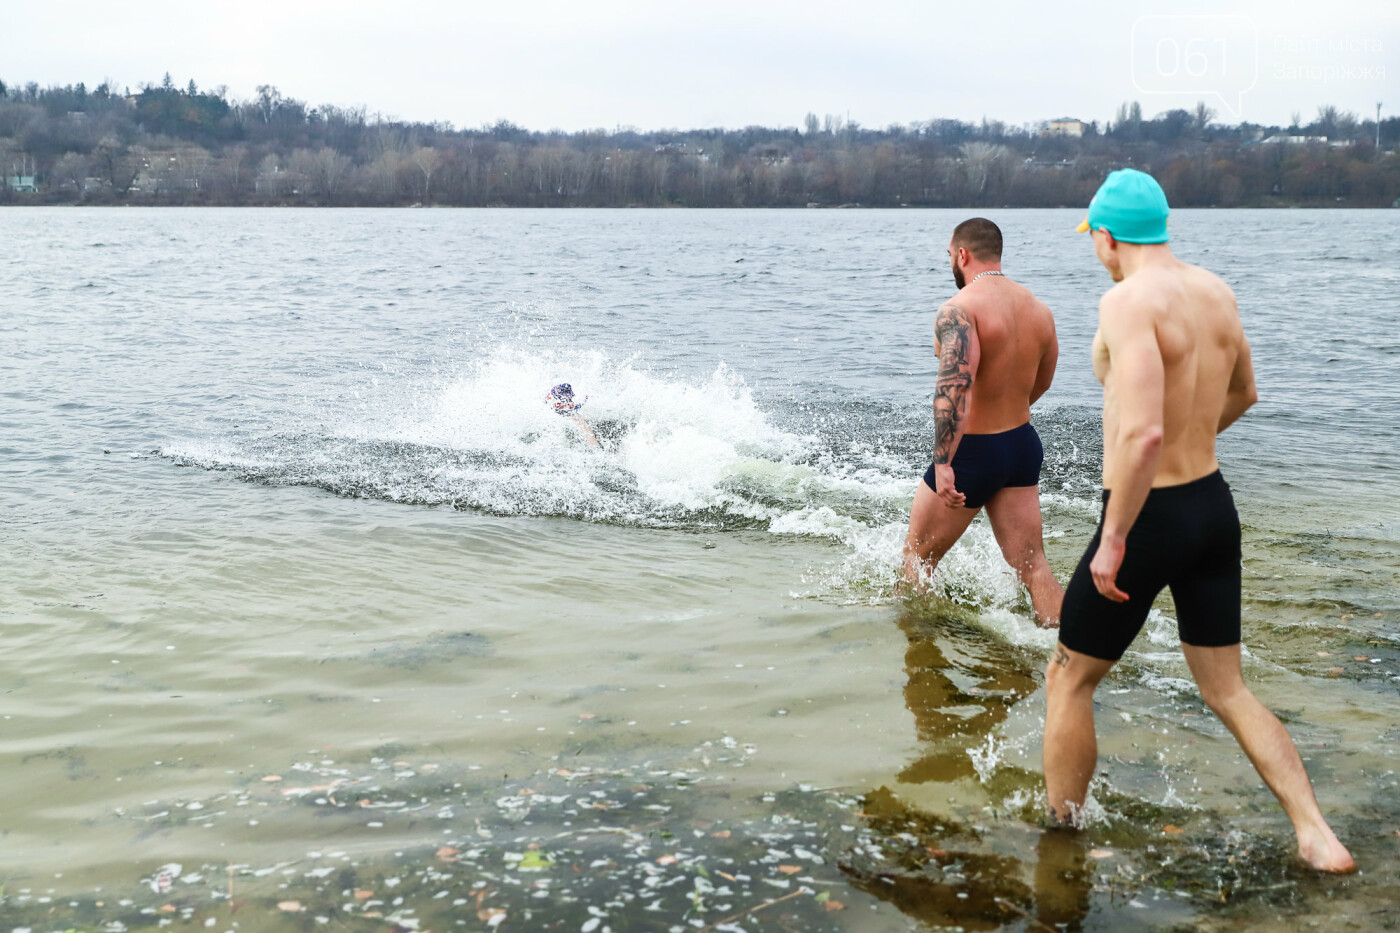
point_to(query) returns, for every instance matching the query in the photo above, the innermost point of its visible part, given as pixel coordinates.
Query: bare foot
(911, 583)
(1321, 849)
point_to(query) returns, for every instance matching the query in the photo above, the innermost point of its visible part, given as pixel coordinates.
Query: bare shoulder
(1130, 298)
(1212, 284)
(1219, 307)
(954, 314)
(1022, 294)
(1131, 308)
(1041, 308)
(1029, 307)
(962, 307)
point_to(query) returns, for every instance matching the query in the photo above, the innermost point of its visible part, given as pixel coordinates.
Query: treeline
(166, 144)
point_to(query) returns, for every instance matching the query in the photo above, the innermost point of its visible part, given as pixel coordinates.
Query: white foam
(1083, 506)
(1167, 685)
(820, 522)
(974, 573)
(678, 466)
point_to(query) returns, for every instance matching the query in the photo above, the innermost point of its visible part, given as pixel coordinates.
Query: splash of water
(676, 452)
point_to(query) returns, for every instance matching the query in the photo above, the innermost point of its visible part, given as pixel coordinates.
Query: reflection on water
(932, 869)
(958, 690)
(977, 853)
(1063, 879)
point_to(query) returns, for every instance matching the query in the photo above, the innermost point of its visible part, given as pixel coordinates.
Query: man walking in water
(996, 355)
(1176, 371)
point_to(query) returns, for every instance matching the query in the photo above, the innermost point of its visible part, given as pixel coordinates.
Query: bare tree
(235, 172)
(384, 173)
(1202, 116)
(1334, 123)
(1347, 123)
(72, 169)
(983, 165)
(117, 165)
(427, 160)
(266, 102)
(272, 181)
(323, 170)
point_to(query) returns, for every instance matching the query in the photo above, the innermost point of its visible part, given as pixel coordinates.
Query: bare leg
(588, 435)
(1015, 516)
(1270, 750)
(933, 529)
(1071, 746)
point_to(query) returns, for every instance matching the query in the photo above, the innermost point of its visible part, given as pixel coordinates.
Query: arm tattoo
(1061, 656)
(953, 328)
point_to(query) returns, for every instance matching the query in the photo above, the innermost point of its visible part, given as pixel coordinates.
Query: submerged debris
(652, 846)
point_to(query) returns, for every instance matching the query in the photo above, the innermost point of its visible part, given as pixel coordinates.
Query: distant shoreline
(169, 145)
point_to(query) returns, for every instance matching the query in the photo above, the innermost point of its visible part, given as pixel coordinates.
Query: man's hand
(1104, 568)
(947, 487)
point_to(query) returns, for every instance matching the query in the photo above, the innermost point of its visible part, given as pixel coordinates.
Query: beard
(959, 278)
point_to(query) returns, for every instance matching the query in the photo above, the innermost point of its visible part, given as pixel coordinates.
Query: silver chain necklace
(988, 272)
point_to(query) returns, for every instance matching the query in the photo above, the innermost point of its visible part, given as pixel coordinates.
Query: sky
(584, 64)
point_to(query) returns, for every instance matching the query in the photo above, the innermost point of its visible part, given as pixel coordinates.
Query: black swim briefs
(987, 463)
(1186, 538)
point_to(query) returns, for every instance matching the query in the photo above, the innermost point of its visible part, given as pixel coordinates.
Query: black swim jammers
(1186, 538)
(987, 463)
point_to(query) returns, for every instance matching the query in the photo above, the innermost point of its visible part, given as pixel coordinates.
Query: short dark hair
(980, 237)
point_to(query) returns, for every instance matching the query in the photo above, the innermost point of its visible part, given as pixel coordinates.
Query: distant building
(1284, 138)
(1067, 126)
(23, 183)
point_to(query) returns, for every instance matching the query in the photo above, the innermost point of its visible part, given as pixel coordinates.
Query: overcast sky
(578, 64)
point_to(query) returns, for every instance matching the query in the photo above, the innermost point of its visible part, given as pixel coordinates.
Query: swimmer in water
(561, 399)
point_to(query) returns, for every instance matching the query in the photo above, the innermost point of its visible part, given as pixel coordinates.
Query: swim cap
(1131, 206)
(562, 398)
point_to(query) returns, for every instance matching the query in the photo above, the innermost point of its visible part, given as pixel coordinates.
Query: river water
(313, 612)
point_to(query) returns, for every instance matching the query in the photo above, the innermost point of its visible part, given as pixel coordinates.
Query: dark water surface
(308, 598)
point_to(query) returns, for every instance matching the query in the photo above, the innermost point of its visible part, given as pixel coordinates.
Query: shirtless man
(1176, 371)
(996, 350)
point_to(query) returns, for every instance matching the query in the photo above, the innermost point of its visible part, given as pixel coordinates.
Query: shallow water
(304, 579)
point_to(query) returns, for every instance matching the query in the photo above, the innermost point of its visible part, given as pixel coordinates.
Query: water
(308, 592)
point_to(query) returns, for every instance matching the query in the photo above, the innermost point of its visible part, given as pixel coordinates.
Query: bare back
(1017, 353)
(1191, 318)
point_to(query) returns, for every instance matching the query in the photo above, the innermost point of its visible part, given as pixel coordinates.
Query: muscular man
(1176, 371)
(996, 355)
